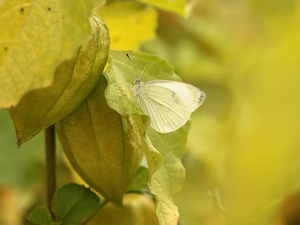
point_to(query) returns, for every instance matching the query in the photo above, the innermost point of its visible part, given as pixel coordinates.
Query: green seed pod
(103, 147)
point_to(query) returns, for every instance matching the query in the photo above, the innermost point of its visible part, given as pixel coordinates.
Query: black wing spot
(49, 9)
(22, 10)
(175, 97)
(202, 97)
(5, 48)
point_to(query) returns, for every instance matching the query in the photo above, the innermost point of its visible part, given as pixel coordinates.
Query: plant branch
(50, 166)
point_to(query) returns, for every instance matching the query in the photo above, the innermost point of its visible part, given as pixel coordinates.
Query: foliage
(71, 204)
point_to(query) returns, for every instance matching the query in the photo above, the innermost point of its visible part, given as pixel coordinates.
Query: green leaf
(35, 37)
(176, 6)
(40, 215)
(140, 179)
(102, 146)
(73, 203)
(74, 80)
(121, 75)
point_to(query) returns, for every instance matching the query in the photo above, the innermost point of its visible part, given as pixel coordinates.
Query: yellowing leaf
(35, 37)
(166, 171)
(176, 6)
(130, 24)
(74, 80)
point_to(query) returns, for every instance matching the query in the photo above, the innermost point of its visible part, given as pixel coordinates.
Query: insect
(168, 104)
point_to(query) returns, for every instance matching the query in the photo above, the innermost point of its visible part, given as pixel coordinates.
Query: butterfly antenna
(135, 67)
(142, 72)
(132, 63)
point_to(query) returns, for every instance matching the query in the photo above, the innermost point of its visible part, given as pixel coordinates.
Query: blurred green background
(22, 174)
(243, 155)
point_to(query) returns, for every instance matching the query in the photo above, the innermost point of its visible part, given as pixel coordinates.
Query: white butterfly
(168, 104)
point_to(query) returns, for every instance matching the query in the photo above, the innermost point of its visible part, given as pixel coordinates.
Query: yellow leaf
(176, 6)
(130, 24)
(35, 37)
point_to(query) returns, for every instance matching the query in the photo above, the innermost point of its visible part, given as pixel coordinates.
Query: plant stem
(50, 166)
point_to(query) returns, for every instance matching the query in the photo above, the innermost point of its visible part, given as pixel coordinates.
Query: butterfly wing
(169, 104)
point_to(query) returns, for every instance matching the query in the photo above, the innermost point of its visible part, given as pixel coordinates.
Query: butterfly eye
(137, 81)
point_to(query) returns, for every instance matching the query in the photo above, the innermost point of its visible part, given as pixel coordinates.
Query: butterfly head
(137, 80)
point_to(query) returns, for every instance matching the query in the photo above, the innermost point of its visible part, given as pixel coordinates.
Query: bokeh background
(242, 159)
(243, 155)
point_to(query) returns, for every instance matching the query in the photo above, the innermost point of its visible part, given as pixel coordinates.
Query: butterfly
(168, 104)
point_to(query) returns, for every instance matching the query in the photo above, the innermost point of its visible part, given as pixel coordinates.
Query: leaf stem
(104, 202)
(50, 166)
